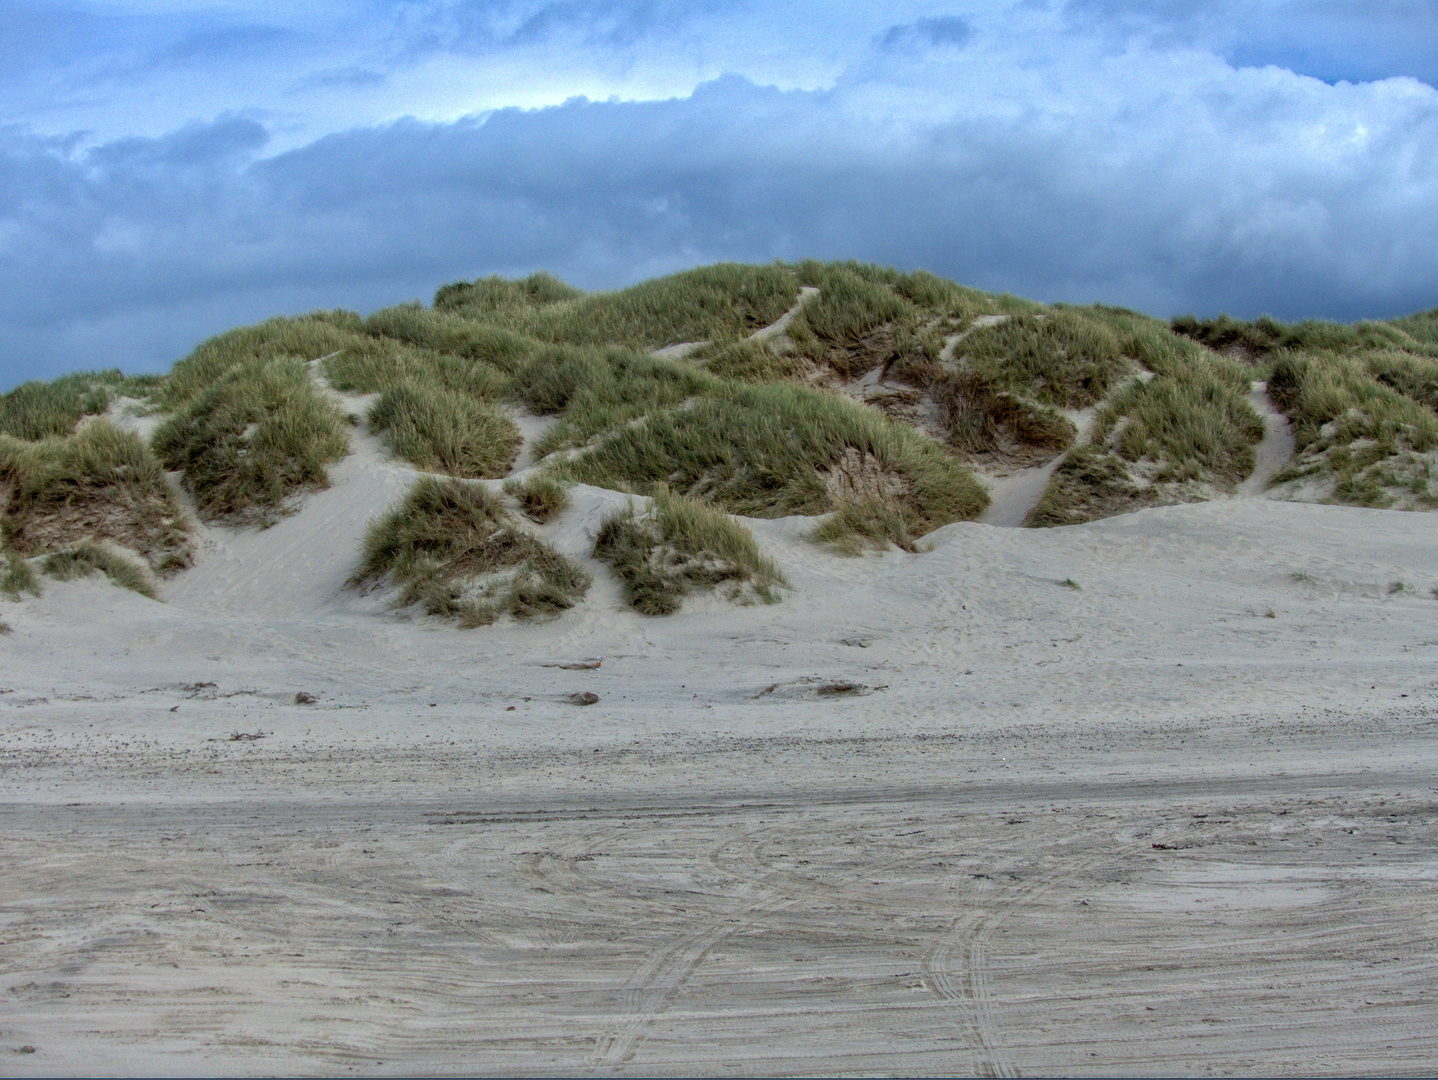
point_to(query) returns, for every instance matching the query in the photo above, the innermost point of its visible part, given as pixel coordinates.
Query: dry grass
(680, 546)
(258, 435)
(99, 484)
(540, 497)
(88, 557)
(451, 549)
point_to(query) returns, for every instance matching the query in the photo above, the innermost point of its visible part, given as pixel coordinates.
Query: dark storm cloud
(1190, 187)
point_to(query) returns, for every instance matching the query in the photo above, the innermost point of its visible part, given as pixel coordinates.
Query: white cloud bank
(1051, 155)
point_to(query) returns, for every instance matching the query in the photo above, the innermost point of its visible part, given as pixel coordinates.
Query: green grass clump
(752, 362)
(1191, 426)
(1090, 483)
(40, 410)
(770, 450)
(445, 431)
(1414, 377)
(99, 484)
(862, 524)
(1373, 442)
(1265, 336)
(540, 497)
(259, 434)
(550, 379)
(982, 418)
(679, 546)
(494, 295)
(88, 557)
(1063, 359)
(449, 333)
(17, 576)
(454, 551)
(713, 303)
(302, 339)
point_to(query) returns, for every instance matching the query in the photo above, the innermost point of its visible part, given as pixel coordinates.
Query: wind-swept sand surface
(1155, 794)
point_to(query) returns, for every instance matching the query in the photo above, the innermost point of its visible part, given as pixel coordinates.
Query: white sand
(1135, 826)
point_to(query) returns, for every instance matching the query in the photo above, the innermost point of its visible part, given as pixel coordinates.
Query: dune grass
(765, 451)
(453, 551)
(41, 410)
(680, 546)
(100, 484)
(1375, 444)
(864, 524)
(495, 294)
(540, 497)
(1062, 359)
(252, 348)
(258, 435)
(17, 576)
(1265, 336)
(89, 557)
(445, 431)
(723, 302)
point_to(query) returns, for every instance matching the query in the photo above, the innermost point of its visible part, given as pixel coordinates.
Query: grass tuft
(17, 576)
(39, 410)
(89, 557)
(540, 497)
(99, 484)
(446, 431)
(454, 551)
(771, 450)
(1063, 359)
(862, 524)
(260, 434)
(679, 546)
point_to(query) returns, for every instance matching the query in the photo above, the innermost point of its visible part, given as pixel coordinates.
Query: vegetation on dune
(99, 484)
(772, 450)
(39, 410)
(870, 408)
(680, 546)
(540, 497)
(454, 551)
(257, 435)
(1362, 397)
(865, 523)
(1374, 444)
(17, 576)
(720, 302)
(1061, 359)
(445, 431)
(88, 557)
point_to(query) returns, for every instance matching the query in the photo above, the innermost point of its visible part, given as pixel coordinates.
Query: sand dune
(1178, 817)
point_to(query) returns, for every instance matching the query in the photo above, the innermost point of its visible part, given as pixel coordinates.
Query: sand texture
(1153, 794)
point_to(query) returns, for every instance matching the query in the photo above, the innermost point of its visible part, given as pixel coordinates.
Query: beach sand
(1152, 794)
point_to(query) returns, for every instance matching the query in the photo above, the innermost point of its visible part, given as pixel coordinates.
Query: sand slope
(1177, 818)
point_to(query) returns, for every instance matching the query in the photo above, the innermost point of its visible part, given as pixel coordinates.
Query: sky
(172, 169)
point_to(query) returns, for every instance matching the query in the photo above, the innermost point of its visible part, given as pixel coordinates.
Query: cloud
(1158, 177)
(951, 31)
(1328, 39)
(208, 46)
